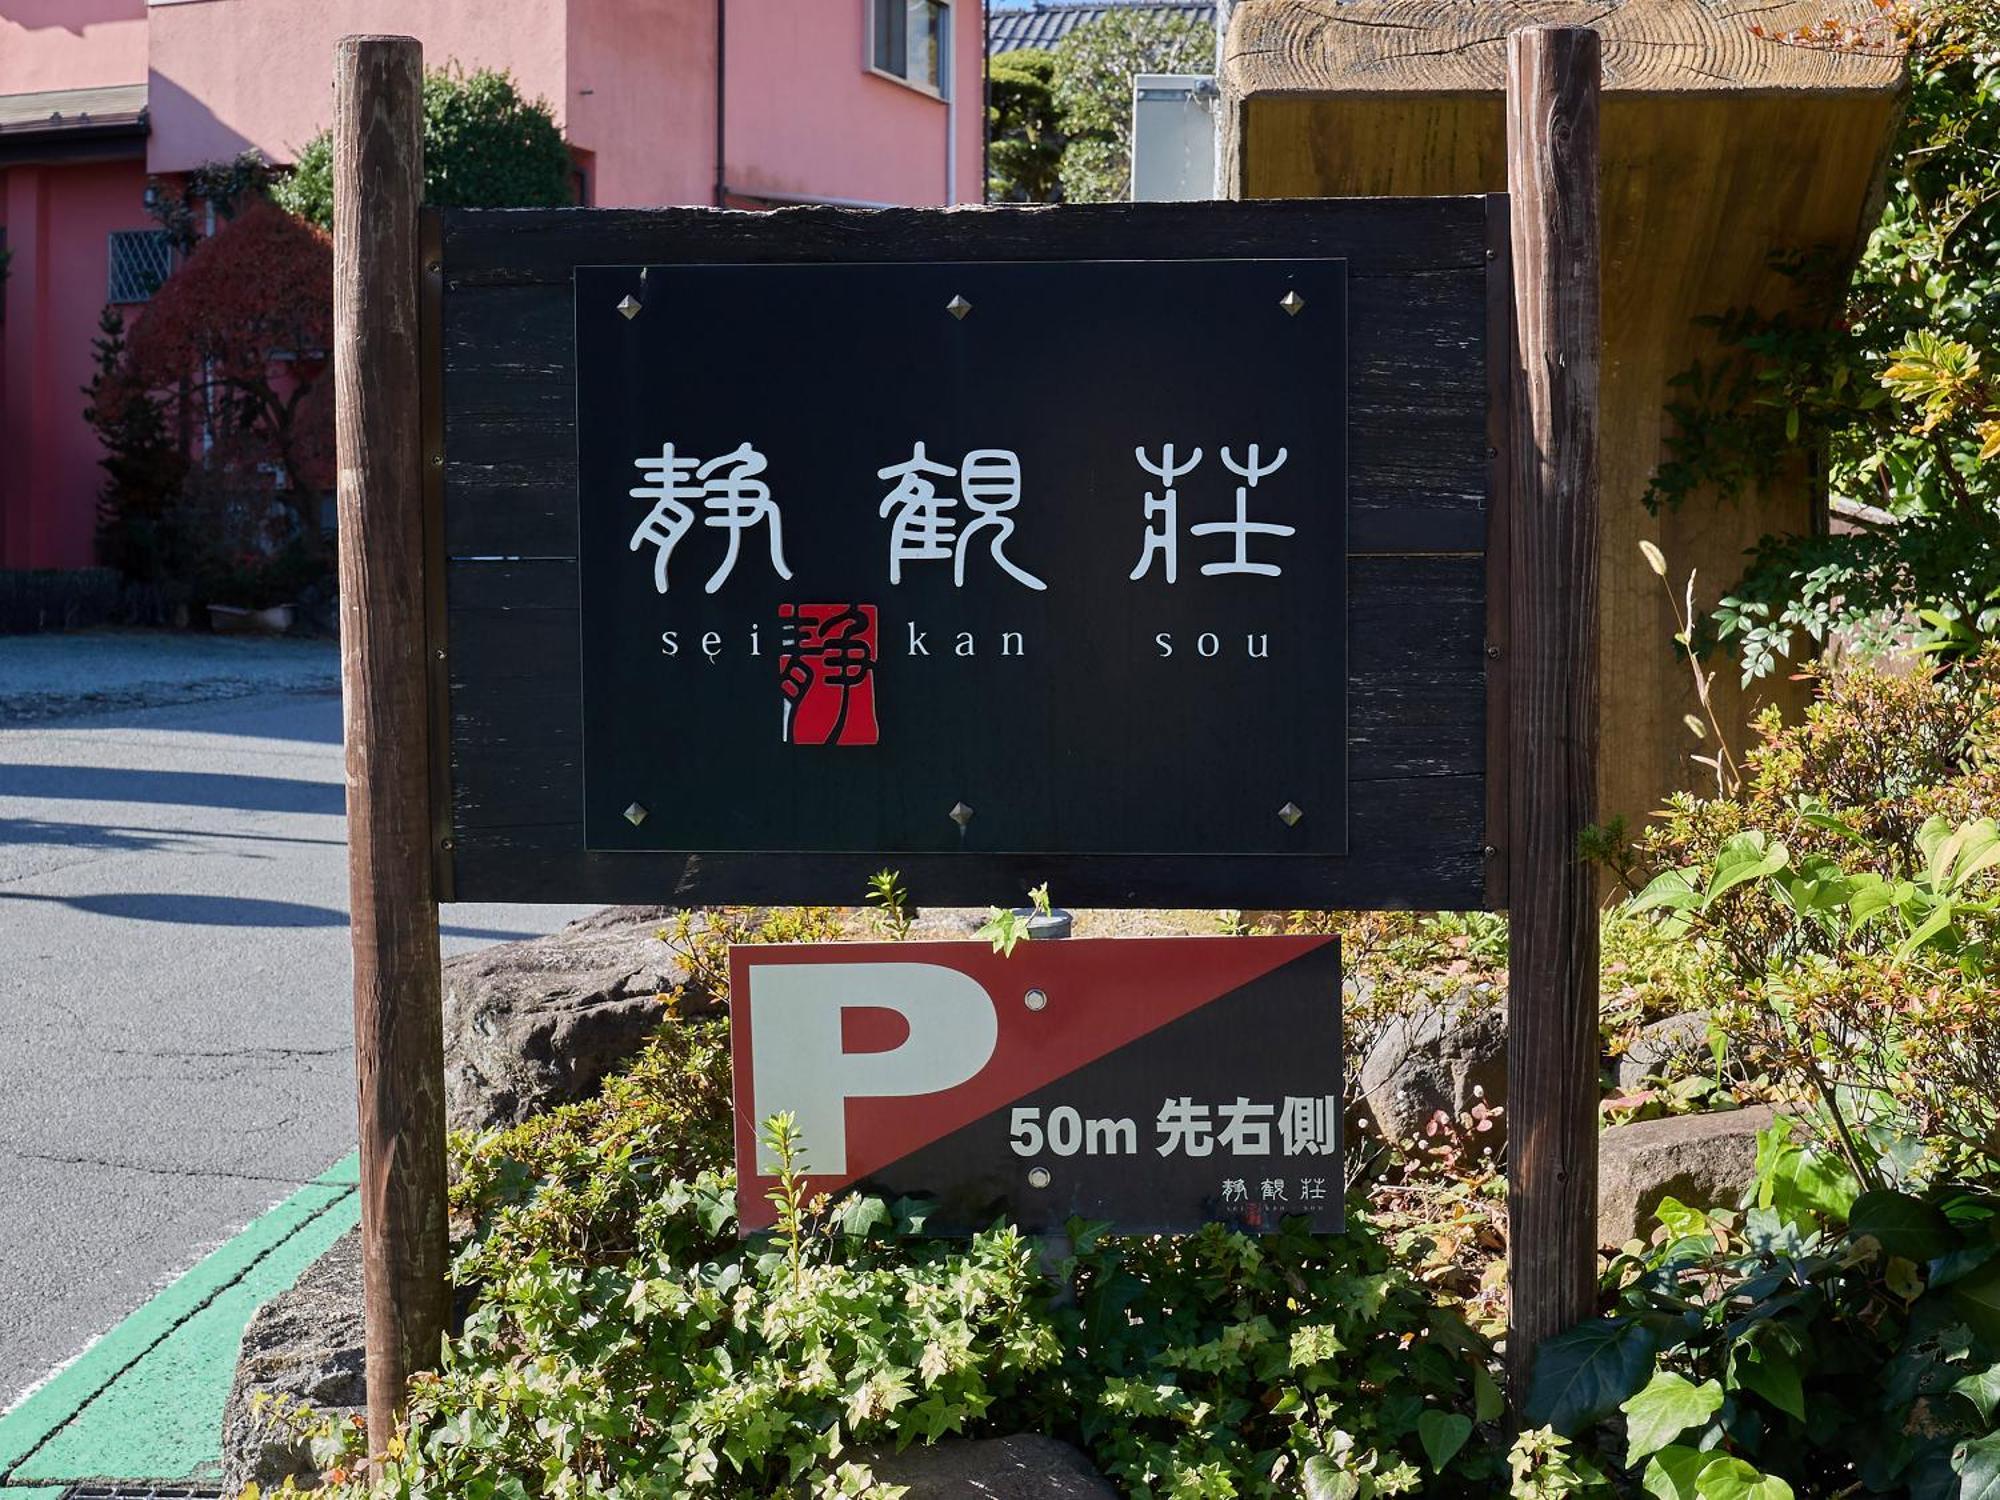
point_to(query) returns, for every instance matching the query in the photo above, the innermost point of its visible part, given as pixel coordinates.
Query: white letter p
(796, 1057)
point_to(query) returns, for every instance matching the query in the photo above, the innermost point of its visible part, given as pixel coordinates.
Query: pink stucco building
(747, 103)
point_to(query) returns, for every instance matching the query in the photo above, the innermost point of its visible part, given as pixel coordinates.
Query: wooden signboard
(1327, 730)
(660, 532)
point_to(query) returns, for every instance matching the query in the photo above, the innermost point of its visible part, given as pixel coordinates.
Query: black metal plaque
(990, 556)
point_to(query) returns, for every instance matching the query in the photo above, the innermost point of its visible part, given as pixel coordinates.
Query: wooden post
(1552, 1039)
(398, 1025)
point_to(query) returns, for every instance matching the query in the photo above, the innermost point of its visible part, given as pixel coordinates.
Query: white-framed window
(911, 40)
(136, 263)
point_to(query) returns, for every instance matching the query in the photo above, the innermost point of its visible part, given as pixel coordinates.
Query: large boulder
(304, 1347)
(1681, 1038)
(534, 1024)
(1447, 1056)
(1023, 1467)
(1705, 1161)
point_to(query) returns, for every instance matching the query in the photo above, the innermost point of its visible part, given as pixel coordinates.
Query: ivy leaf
(1680, 1221)
(1668, 1406)
(1443, 1433)
(1901, 1278)
(1582, 1375)
(1487, 1402)
(1872, 896)
(1902, 1225)
(1732, 1479)
(1939, 919)
(1977, 1300)
(1772, 1374)
(1799, 1182)
(1978, 1465)
(1982, 1390)
(1004, 929)
(1325, 1482)
(1673, 1473)
(862, 1214)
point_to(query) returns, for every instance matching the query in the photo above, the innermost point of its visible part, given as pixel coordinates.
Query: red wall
(58, 220)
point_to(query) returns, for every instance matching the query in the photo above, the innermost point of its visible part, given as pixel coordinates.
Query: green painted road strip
(145, 1401)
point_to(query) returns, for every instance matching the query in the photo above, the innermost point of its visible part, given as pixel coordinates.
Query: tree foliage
(1094, 69)
(1897, 395)
(484, 147)
(1024, 128)
(1848, 896)
(223, 188)
(235, 346)
(143, 466)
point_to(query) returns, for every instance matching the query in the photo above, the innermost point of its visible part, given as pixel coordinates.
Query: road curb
(144, 1402)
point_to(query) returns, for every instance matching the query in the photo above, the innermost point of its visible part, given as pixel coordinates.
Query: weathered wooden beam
(398, 1027)
(1552, 1041)
(1446, 46)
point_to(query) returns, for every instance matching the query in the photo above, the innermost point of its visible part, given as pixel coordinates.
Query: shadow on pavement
(200, 911)
(276, 794)
(232, 911)
(124, 838)
(304, 715)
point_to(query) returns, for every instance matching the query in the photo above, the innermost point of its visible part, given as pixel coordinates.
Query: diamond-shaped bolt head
(636, 814)
(958, 307)
(630, 306)
(1292, 303)
(960, 814)
(1290, 814)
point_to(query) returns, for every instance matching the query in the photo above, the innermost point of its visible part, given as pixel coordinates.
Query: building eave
(101, 140)
(70, 125)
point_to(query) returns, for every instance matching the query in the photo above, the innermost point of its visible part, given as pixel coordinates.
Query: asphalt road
(174, 1010)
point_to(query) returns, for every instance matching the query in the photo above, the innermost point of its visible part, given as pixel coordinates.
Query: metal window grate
(139, 261)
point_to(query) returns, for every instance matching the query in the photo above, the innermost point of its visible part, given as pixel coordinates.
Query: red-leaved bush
(236, 344)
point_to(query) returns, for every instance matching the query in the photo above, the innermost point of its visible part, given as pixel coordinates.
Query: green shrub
(693, 1362)
(1819, 1344)
(1215, 1364)
(1025, 139)
(1849, 894)
(574, 1185)
(1212, 1365)
(142, 530)
(484, 147)
(1094, 68)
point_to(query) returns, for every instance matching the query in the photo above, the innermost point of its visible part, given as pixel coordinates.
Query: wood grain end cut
(1316, 47)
